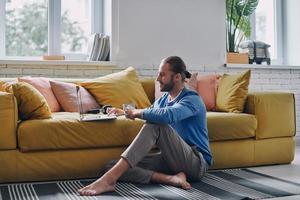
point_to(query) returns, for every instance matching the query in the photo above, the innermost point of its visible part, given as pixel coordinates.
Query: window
(24, 35)
(36, 27)
(78, 16)
(266, 27)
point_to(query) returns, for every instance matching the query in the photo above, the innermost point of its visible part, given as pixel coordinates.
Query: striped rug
(225, 184)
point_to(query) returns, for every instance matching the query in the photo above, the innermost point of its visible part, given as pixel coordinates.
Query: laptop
(90, 117)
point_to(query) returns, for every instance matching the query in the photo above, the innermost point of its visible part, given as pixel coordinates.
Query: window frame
(278, 31)
(2, 28)
(54, 27)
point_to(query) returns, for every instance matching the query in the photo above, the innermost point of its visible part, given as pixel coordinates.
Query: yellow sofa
(64, 148)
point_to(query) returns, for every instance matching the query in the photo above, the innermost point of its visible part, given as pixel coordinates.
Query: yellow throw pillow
(5, 86)
(2, 88)
(118, 88)
(31, 103)
(232, 92)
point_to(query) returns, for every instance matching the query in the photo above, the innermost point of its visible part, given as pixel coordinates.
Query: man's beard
(167, 87)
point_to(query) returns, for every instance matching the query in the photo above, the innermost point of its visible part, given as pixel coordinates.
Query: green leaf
(245, 26)
(246, 7)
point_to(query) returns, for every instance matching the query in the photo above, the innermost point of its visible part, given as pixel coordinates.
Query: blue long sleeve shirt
(187, 115)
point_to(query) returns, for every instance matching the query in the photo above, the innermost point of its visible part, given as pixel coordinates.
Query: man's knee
(156, 129)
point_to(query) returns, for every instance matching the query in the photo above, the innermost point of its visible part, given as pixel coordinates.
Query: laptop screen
(79, 102)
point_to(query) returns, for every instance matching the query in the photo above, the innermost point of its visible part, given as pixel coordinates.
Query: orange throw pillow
(66, 95)
(207, 86)
(44, 87)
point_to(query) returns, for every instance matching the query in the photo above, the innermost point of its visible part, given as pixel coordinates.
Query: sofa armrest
(8, 121)
(275, 113)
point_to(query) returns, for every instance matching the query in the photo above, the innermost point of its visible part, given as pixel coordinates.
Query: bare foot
(179, 180)
(103, 184)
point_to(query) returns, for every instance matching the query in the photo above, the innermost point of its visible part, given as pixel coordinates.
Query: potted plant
(238, 27)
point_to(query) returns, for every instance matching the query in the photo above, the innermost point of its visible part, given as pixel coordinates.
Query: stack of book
(99, 47)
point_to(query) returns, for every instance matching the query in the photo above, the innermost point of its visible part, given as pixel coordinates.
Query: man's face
(165, 77)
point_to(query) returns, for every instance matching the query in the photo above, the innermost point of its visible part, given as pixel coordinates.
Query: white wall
(145, 31)
(291, 31)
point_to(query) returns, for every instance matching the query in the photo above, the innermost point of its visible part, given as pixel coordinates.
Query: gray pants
(175, 156)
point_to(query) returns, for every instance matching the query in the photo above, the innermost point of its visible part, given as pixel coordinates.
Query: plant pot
(241, 58)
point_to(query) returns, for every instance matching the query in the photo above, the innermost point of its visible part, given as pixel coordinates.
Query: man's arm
(185, 108)
(135, 113)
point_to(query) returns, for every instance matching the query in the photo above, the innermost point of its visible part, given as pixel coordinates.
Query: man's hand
(134, 113)
(115, 111)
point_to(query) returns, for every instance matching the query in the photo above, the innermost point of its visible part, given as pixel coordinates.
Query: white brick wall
(37, 72)
(10, 71)
(52, 71)
(261, 79)
(94, 73)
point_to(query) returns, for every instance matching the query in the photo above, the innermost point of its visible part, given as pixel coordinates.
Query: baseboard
(297, 139)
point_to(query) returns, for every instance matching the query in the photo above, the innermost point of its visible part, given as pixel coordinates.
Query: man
(176, 124)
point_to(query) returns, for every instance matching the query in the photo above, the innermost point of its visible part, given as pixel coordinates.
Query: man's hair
(177, 66)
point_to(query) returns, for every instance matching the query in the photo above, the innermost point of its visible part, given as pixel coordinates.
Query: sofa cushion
(2, 86)
(148, 85)
(207, 86)
(67, 96)
(64, 131)
(31, 103)
(44, 87)
(118, 88)
(6, 86)
(232, 92)
(230, 126)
